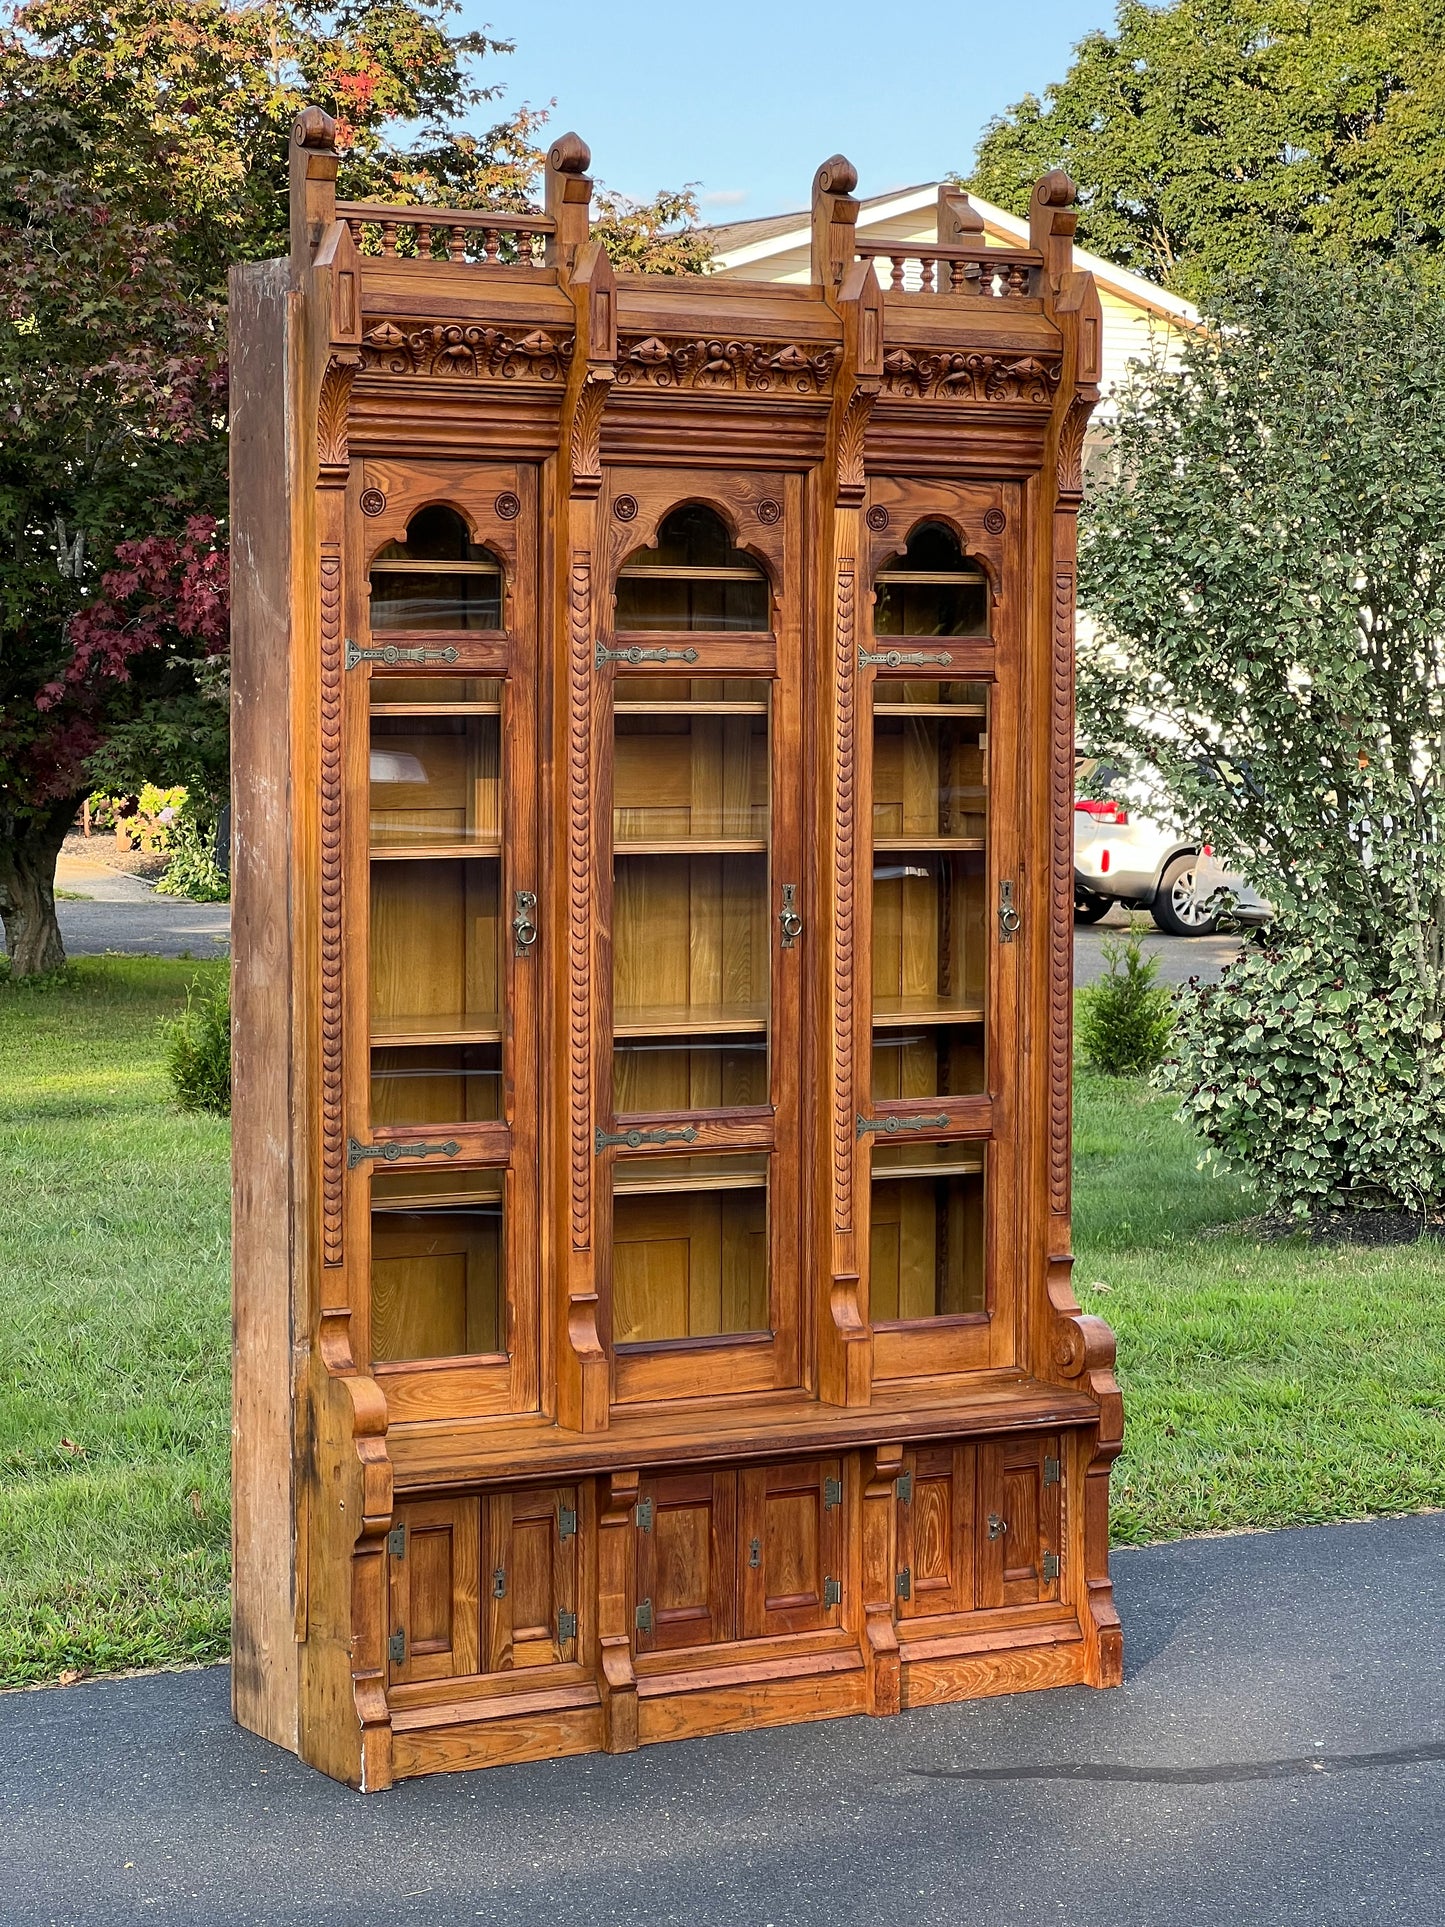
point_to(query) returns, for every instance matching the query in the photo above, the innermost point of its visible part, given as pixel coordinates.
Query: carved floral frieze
(920, 374)
(457, 350)
(742, 367)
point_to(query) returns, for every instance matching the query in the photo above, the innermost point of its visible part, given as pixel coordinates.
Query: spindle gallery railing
(483, 237)
(917, 268)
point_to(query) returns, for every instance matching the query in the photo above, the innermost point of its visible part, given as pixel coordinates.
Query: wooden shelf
(434, 709)
(925, 1168)
(929, 709)
(401, 1031)
(653, 1186)
(440, 1455)
(689, 1020)
(390, 852)
(901, 845)
(693, 846)
(691, 708)
(894, 1014)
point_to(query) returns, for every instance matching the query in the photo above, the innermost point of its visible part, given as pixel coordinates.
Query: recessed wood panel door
(686, 1560)
(530, 1574)
(936, 1532)
(790, 1547)
(433, 1553)
(1019, 1522)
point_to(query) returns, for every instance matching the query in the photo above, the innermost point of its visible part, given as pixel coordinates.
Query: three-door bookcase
(653, 905)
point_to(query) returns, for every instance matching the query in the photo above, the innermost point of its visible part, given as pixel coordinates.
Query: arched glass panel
(438, 578)
(932, 590)
(693, 579)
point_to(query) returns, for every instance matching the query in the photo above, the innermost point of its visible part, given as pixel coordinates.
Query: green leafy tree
(1195, 130)
(1266, 573)
(142, 150)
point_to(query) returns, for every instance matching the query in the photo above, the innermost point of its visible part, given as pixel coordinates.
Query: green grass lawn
(1267, 1384)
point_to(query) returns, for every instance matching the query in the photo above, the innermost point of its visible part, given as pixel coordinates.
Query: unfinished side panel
(264, 1670)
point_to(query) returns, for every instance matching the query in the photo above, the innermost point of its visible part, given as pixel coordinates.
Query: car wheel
(1176, 908)
(1088, 908)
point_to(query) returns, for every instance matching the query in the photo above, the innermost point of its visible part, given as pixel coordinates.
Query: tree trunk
(28, 849)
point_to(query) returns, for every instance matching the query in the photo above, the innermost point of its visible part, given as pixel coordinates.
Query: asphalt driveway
(1277, 1755)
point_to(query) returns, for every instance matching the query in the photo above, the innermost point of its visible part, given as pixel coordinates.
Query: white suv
(1123, 857)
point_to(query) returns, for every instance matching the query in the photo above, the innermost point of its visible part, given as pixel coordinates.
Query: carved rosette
(843, 901)
(456, 350)
(1061, 961)
(332, 1003)
(919, 375)
(735, 367)
(579, 859)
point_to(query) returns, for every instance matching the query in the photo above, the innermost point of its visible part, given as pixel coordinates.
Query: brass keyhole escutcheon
(524, 920)
(789, 920)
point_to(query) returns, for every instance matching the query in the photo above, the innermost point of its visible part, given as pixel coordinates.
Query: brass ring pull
(996, 1527)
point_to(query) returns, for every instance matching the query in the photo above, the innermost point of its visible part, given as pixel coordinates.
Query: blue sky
(746, 99)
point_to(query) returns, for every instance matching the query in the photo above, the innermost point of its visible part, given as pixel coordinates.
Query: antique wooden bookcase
(653, 750)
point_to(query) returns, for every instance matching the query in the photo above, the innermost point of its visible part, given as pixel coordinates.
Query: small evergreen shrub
(198, 1051)
(1126, 1020)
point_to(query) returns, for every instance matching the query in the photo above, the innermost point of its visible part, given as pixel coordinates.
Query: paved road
(1277, 1755)
(120, 912)
(124, 914)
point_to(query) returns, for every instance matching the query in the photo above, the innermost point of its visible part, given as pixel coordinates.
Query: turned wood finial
(835, 214)
(568, 199)
(1052, 220)
(313, 181)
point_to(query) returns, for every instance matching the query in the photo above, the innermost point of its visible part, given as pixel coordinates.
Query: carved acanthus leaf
(332, 448)
(586, 442)
(852, 434)
(921, 375)
(1071, 445)
(457, 349)
(739, 367)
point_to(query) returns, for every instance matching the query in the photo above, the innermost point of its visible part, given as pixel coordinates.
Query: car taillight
(1103, 812)
(1104, 863)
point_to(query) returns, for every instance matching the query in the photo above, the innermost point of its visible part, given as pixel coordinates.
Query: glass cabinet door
(930, 874)
(451, 1034)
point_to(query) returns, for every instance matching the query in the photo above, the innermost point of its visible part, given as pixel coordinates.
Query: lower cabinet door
(936, 1538)
(790, 1547)
(529, 1576)
(686, 1560)
(1019, 1521)
(434, 1554)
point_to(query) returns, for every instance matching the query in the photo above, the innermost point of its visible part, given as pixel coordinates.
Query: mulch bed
(103, 848)
(1364, 1226)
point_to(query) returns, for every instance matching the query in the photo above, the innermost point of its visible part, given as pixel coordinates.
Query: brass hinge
(905, 1583)
(566, 1522)
(891, 1126)
(396, 1647)
(1008, 916)
(832, 1592)
(1051, 1565)
(643, 1511)
(832, 1493)
(389, 1153)
(566, 1626)
(903, 1486)
(643, 1616)
(396, 1542)
(604, 656)
(687, 1135)
(896, 658)
(499, 1583)
(1051, 1471)
(389, 653)
(755, 1553)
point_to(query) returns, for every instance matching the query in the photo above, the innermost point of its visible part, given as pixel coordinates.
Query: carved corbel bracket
(333, 451)
(1071, 446)
(1083, 1349)
(593, 289)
